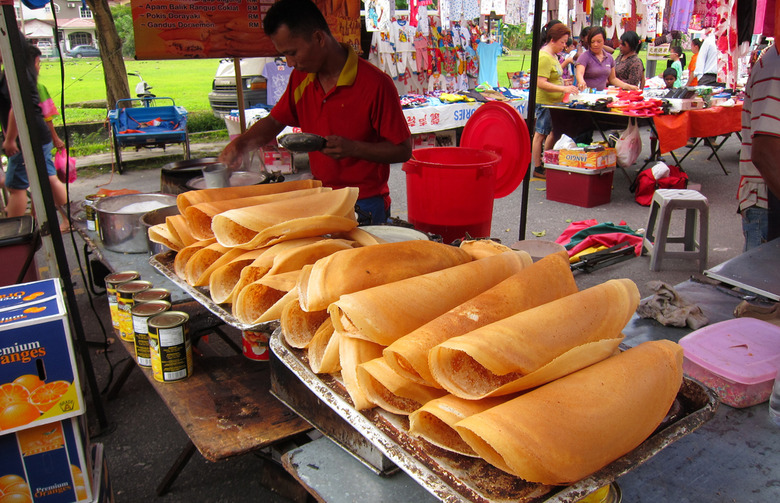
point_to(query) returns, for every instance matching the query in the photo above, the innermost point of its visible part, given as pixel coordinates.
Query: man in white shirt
(707, 62)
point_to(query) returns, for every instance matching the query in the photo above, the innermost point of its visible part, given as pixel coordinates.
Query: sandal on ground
(539, 172)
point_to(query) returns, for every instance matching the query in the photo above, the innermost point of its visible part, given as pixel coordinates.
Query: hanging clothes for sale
(516, 11)
(488, 54)
(277, 75)
(496, 6)
(746, 17)
(680, 16)
(726, 41)
(378, 14)
(529, 24)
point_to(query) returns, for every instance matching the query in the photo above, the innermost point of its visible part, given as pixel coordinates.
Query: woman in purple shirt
(595, 67)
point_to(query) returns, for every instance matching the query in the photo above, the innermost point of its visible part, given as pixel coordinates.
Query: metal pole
(530, 119)
(239, 94)
(15, 62)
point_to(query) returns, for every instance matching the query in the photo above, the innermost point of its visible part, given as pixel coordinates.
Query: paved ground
(144, 439)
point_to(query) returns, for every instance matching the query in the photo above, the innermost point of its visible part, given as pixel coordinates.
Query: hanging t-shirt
(488, 62)
(277, 75)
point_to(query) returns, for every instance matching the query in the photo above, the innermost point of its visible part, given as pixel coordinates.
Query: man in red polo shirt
(333, 93)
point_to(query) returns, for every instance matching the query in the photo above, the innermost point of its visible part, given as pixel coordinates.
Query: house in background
(74, 22)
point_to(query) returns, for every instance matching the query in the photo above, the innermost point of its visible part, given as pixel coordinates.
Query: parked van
(223, 98)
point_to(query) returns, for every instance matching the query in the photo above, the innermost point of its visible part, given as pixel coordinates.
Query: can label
(170, 352)
(140, 314)
(112, 283)
(126, 332)
(112, 307)
(255, 345)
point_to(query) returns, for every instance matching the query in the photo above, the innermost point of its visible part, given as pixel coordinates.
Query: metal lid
(150, 308)
(152, 294)
(116, 278)
(132, 287)
(168, 319)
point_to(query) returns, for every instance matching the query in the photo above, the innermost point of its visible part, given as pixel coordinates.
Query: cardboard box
(551, 157)
(579, 186)
(579, 158)
(423, 140)
(277, 159)
(47, 464)
(38, 376)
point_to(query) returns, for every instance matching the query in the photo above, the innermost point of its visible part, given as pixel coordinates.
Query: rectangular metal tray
(453, 478)
(163, 262)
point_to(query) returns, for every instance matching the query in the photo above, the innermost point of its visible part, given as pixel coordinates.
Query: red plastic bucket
(450, 191)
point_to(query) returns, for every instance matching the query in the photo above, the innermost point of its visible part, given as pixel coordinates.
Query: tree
(114, 71)
(123, 18)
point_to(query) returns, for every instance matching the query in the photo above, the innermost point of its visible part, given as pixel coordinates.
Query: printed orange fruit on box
(38, 379)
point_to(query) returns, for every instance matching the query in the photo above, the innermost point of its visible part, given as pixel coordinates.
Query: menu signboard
(179, 29)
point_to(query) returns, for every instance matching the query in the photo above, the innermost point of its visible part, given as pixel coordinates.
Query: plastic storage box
(579, 186)
(18, 242)
(738, 359)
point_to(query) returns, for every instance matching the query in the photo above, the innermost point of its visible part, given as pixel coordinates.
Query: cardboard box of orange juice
(46, 464)
(38, 377)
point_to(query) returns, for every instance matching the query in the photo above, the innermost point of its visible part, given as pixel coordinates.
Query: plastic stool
(665, 201)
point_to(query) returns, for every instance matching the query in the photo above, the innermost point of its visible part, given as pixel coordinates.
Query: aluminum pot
(155, 217)
(175, 175)
(119, 220)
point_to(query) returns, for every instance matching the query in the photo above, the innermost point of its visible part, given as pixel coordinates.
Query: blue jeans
(755, 226)
(16, 176)
(371, 211)
(543, 124)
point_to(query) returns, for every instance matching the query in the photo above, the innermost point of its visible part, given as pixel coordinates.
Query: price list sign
(179, 29)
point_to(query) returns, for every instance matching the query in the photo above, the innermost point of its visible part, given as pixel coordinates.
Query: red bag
(646, 184)
(66, 166)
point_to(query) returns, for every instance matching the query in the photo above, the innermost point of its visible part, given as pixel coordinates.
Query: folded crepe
(199, 265)
(263, 263)
(183, 256)
(224, 279)
(567, 429)
(544, 281)
(435, 421)
(353, 352)
(481, 248)
(258, 303)
(361, 237)
(385, 313)
(361, 268)
(192, 197)
(538, 345)
(162, 235)
(178, 226)
(270, 223)
(300, 327)
(390, 391)
(323, 350)
(199, 216)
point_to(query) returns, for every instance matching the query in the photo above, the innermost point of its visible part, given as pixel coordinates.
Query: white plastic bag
(564, 142)
(629, 145)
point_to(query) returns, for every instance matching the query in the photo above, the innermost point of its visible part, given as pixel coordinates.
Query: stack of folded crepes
(193, 197)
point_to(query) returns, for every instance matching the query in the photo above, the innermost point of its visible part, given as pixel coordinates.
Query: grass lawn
(188, 82)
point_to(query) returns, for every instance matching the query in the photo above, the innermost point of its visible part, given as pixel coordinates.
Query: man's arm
(766, 151)
(261, 133)
(387, 152)
(9, 143)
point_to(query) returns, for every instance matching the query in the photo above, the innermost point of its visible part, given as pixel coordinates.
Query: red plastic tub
(450, 191)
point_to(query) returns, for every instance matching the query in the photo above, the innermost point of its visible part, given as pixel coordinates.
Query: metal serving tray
(451, 477)
(163, 262)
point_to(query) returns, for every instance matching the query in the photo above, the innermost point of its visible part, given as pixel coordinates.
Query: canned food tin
(152, 294)
(112, 281)
(141, 313)
(124, 301)
(169, 346)
(255, 345)
(89, 209)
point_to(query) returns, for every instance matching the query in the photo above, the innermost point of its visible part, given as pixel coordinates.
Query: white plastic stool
(665, 201)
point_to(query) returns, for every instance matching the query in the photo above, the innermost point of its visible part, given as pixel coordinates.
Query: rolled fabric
(390, 391)
(300, 327)
(183, 256)
(361, 268)
(565, 430)
(224, 279)
(538, 345)
(270, 223)
(385, 313)
(323, 350)
(161, 234)
(546, 280)
(199, 216)
(435, 421)
(178, 226)
(353, 352)
(192, 197)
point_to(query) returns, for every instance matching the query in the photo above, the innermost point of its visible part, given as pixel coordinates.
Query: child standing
(678, 63)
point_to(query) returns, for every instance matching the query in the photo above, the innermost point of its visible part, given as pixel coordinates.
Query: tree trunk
(110, 45)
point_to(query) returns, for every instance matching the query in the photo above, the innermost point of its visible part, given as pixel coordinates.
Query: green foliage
(202, 120)
(88, 144)
(123, 19)
(597, 14)
(516, 39)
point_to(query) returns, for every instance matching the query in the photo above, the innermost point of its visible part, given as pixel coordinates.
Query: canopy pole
(530, 118)
(15, 62)
(239, 94)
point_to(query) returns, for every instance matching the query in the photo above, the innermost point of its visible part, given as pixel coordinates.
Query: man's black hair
(302, 18)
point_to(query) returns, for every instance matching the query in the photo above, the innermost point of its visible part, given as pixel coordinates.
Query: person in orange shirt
(695, 46)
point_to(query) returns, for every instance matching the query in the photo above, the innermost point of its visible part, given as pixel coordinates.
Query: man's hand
(232, 156)
(10, 148)
(339, 147)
